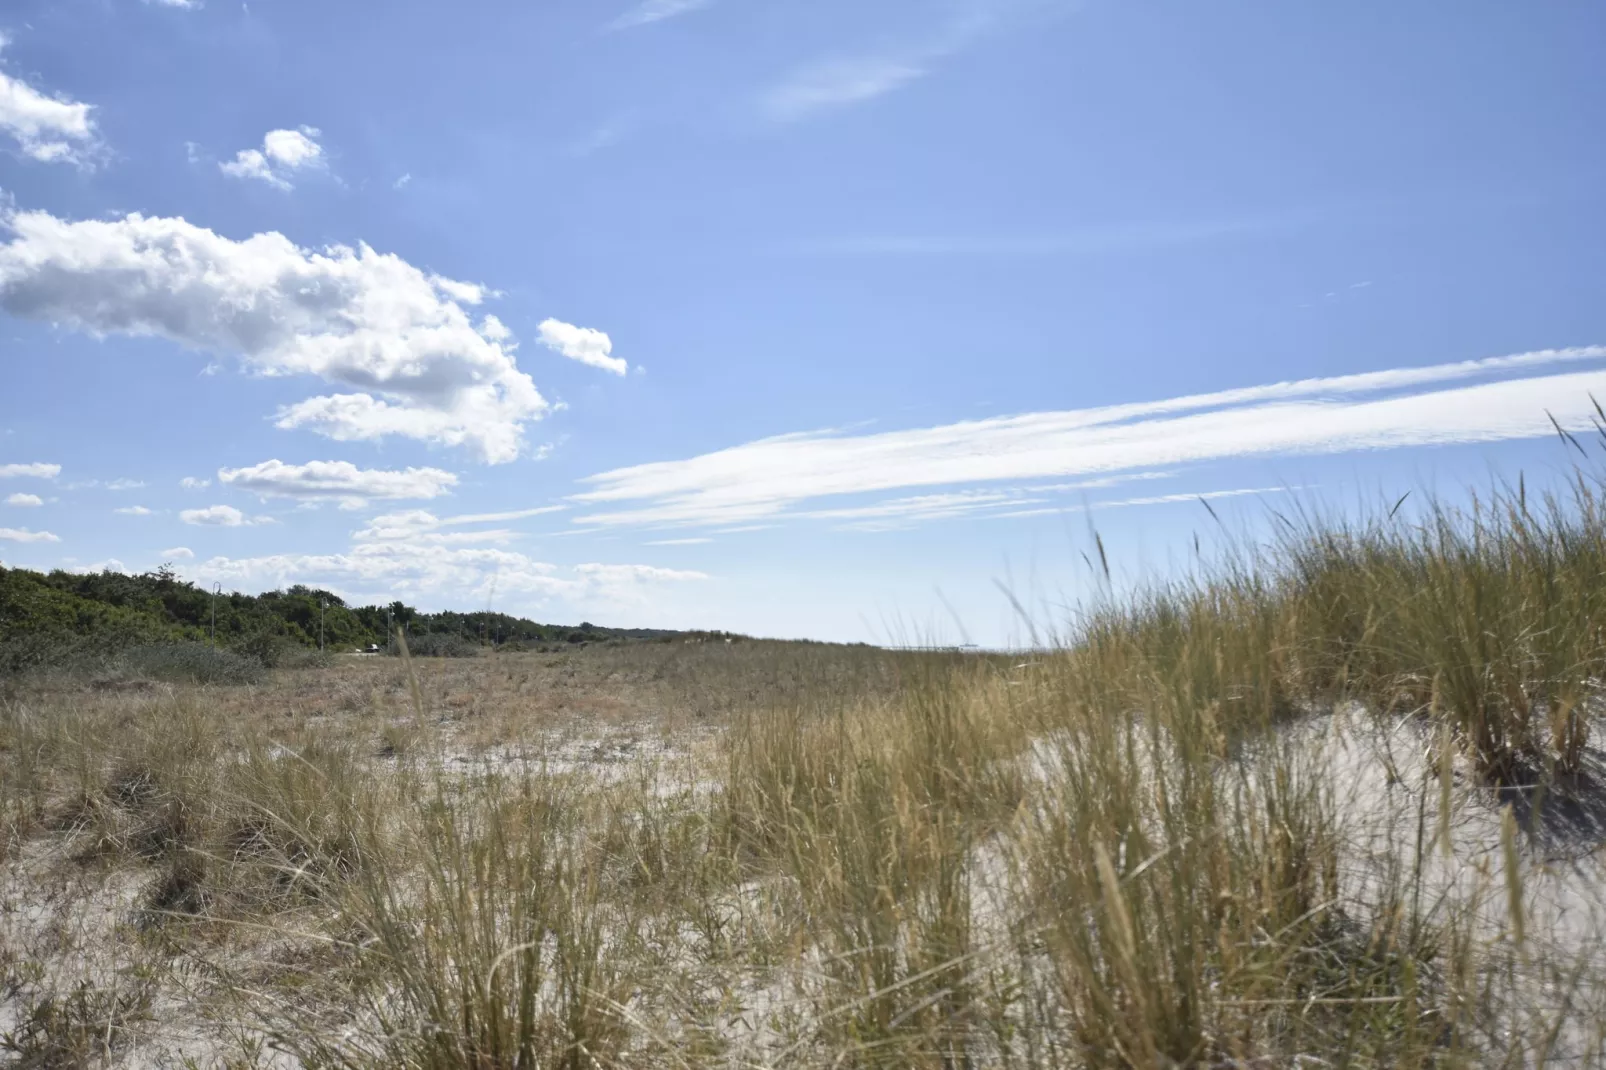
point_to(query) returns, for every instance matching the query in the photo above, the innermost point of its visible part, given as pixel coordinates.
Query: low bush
(277, 651)
(194, 663)
(110, 660)
(27, 652)
(440, 645)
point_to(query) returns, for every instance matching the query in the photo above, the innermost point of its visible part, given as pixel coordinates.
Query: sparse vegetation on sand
(1335, 802)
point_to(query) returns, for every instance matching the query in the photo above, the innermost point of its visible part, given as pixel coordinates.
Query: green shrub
(27, 652)
(440, 645)
(190, 663)
(276, 651)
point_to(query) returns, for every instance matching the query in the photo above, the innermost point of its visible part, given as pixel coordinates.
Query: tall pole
(323, 604)
(217, 589)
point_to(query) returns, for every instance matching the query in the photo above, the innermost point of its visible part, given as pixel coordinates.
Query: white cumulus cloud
(471, 293)
(24, 535)
(423, 569)
(337, 479)
(193, 483)
(584, 344)
(37, 471)
(46, 128)
(133, 510)
(417, 365)
(282, 155)
(220, 516)
(111, 564)
(293, 148)
(177, 553)
(25, 500)
(408, 554)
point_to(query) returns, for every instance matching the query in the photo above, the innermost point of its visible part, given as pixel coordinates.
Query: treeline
(158, 607)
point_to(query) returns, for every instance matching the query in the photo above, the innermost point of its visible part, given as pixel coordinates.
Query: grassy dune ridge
(1336, 801)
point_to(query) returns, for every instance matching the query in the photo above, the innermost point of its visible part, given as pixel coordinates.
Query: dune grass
(1327, 803)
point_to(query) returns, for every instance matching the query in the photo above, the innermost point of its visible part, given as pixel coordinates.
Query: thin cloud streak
(487, 518)
(413, 523)
(1136, 237)
(1153, 499)
(838, 82)
(768, 478)
(651, 11)
(849, 77)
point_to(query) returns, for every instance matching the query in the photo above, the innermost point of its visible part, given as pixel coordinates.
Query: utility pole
(323, 604)
(217, 589)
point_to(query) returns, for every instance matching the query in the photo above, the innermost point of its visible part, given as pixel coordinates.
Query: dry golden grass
(1335, 803)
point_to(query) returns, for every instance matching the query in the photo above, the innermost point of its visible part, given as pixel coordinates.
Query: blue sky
(819, 319)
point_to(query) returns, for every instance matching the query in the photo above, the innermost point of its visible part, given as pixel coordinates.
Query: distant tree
(158, 605)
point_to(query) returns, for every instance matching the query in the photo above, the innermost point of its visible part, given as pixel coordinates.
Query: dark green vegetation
(47, 619)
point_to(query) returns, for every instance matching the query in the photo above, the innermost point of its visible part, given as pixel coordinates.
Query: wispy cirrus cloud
(601, 137)
(852, 76)
(1150, 499)
(650, 11)
(497, 518)
(414, 522)
(895, 514)
(1097, 239)
(1391, 409)
(839, 81)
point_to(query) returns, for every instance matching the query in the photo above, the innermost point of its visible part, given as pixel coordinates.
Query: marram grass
(1305, 809)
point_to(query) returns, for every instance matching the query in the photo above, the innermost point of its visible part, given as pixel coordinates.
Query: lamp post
(323, 603)
(217, 589)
